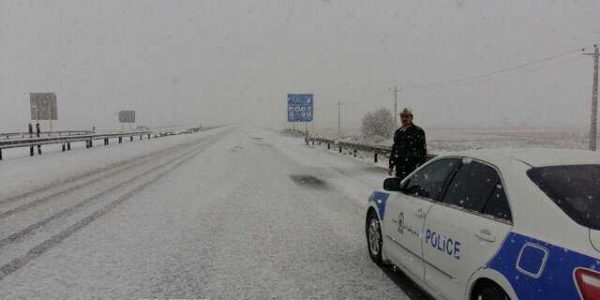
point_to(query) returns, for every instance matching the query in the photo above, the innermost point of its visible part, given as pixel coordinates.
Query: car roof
(534, 157)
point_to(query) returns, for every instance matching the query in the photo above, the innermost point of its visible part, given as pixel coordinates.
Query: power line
(538, 68)
(493, 73)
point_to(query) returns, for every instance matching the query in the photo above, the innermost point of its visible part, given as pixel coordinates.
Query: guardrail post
(37, 133)
(120, 139)
(148, 136)
(68, 146)
(375, 157)
(30, 150)
(328, 146)
(340, 149)
(63, 147)
(0, 154)
(355, 152)
(131, 138)
(313, 142)
(91, 143)
(106, 142)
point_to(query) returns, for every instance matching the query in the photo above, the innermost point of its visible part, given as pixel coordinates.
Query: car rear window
(575, 189)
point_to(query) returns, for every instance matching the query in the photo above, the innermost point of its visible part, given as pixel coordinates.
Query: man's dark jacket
(409, 150)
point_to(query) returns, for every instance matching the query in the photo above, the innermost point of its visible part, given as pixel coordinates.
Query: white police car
(494, 224)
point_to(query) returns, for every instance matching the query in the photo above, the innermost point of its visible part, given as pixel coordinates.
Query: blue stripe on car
(539, 270)
(379, 198)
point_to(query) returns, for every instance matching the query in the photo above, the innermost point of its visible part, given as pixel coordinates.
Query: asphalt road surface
(231, 213)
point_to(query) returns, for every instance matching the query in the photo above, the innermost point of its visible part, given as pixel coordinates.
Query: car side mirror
(392, 184)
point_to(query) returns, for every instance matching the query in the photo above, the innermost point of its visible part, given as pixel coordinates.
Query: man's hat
(406, 112)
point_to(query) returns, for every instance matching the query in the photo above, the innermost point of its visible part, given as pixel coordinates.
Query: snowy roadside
(19, 172)
(355, 177)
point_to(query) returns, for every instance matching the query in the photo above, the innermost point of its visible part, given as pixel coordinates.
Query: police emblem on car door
(401, 222)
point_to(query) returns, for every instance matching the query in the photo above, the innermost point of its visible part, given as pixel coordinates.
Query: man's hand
(390, 171)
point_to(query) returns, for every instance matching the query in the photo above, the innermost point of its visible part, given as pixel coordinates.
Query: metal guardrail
(67, 140)
(66, 137)
(377, 150)
(23, 135)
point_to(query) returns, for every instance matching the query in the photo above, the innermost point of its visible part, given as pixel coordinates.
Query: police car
(494, 224)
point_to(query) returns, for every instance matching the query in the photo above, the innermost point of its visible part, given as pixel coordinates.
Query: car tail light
(588, 282)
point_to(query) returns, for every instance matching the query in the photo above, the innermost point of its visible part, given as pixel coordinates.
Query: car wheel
(490, 292)
(374, 238)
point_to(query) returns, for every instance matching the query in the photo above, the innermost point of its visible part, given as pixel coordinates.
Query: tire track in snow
(84, 175)
(48, 244)
(20, 235)
(123, 165)
(72, 179)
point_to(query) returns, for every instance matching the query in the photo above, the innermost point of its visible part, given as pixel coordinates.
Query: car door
(465, 229)
(406, 211)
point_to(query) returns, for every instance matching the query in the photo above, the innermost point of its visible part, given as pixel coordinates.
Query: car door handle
(420, 213)
(485, 235)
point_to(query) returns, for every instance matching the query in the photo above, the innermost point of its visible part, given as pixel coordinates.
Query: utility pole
(594, 118)
(396, 90)
(339, 105)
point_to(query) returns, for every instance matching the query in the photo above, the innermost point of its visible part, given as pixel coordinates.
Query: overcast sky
(222, 60)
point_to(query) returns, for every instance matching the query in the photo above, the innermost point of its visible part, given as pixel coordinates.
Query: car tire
(374, 238)
(490, 292)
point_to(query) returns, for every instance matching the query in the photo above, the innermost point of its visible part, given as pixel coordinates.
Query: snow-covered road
(230, 213)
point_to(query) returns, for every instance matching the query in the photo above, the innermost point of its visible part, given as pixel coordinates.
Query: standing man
(410, 148)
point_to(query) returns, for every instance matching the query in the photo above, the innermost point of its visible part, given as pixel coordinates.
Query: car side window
(472, 186)
(429, 182)
(497, 204)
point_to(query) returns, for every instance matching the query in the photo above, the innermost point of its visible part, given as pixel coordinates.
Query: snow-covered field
(457, 139)
(464, 139)
(229, 213)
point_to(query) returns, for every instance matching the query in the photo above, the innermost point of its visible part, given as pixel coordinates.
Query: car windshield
(575, 189)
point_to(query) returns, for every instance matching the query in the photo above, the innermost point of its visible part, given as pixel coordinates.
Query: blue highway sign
(300, 107)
